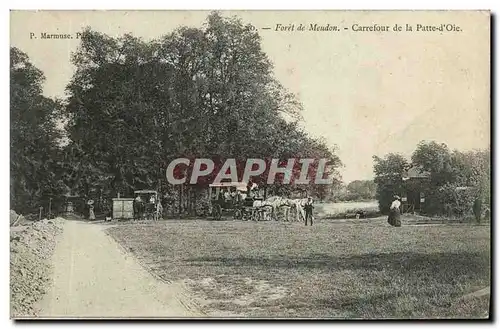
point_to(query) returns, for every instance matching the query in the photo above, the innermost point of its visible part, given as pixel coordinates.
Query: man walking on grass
(308, 207)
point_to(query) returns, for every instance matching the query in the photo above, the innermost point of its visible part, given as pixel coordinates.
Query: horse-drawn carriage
(147, 205)
(231, 198)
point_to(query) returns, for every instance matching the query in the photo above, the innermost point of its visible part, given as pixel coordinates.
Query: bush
(451, 200)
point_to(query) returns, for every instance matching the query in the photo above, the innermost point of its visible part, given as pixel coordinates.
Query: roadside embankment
(31, 247)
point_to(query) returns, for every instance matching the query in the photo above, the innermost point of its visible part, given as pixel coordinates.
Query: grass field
(346, 270)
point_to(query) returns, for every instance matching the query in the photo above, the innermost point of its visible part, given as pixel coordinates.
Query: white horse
(298, 205)
(275, 202)
(261, 210)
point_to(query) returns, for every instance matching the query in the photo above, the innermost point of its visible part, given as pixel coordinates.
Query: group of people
(229, 195)
(233, 195)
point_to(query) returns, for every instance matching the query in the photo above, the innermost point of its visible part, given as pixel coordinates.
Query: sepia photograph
(250, 164)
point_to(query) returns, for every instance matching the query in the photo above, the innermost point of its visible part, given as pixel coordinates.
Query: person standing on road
(91, 212)
(308, 207)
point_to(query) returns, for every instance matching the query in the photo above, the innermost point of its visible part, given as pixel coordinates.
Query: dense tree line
(458, 183)
(135, 105)
(357, 190)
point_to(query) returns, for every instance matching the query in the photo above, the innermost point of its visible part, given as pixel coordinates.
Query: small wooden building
(123, 208)
(415, 182)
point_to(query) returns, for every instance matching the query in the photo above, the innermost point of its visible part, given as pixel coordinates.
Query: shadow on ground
(443, 267)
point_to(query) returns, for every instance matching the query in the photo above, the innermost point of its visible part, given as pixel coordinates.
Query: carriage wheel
(217, 212)
(246, 214)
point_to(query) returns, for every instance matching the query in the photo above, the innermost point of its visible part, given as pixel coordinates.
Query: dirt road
(94, 277)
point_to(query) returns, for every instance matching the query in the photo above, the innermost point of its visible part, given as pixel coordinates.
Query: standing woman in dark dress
(395, 212)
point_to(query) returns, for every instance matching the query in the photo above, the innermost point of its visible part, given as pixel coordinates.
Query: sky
(365, 92)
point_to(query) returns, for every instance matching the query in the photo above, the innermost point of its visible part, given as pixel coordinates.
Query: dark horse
(217, 205)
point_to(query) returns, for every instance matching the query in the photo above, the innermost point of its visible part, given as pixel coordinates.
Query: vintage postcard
(250, 164)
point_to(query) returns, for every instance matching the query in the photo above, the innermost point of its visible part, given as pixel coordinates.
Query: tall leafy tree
(436, 159)
(196, 92)
(110, 111)
(35, 169)
(389, 172)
